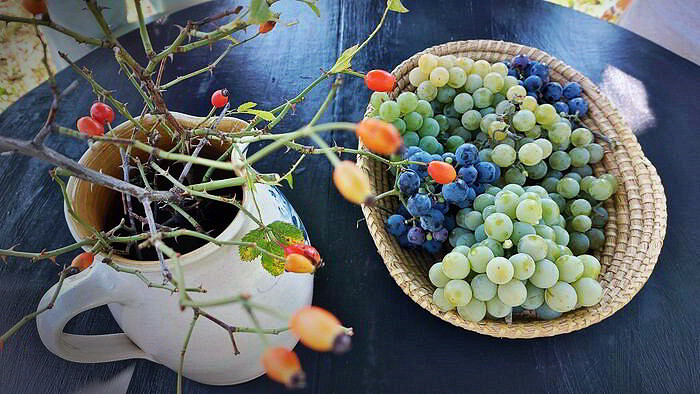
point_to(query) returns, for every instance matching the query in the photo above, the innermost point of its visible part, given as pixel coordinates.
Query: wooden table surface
(651, 345)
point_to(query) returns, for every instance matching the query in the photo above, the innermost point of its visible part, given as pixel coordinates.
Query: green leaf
(343, 62)
(246, 106)
(312, 5)
(268, 116)
(272, 265)
(286, 233)
(259, 12)
(289, 179)
(395, 5)
(249, 253)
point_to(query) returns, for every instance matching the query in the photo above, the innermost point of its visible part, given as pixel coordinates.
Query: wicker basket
(633, 235)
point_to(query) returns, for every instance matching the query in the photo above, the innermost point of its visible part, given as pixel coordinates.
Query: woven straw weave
(633, 235)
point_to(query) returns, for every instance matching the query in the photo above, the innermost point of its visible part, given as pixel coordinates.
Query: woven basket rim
(634, 232)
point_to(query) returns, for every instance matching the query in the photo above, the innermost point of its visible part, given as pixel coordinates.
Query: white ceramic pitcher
(153, 324)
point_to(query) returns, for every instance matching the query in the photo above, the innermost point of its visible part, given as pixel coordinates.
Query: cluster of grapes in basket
(520, 240)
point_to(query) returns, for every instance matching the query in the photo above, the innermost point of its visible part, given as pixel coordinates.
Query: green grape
(486, 122)
(599, 216)
(561, 201)
(495, 246)
(612, 179)
(499, 270)
(453, 122)
(579, 157)
(457, 77)
(535, 297)
(480, 234)
(498, 131)
(414, 121)
(530, 154)
(500, 69)
(463, 102)
(559, 160)
(427, 62)
(550, 184)
(504, 107)
(400, 125)
(493, 190)
(570, 268)
(447, 61)
(493, 82)
(467, 239)
(534, 245)
(497, 309)
(424, 109)
(578, 243)
(595, 151)
(436, 276)
(426, 91)
(408, 101)
(482, 201)
(458, 292)
(479, 257)
(528, 195)
(553, 251)
(481, 67)
(497, 99)
(523, 266)
(471, 119)
(535, 132)
(565, 251)
(539, 190)
(378, 98)
(573, 176)
(512, 293)
(583, 171)
(474, 311)
(440, 301)
(517, 189)
(580, 207)
(600, 189)
(446, 94)
(506, 202)
(516, 91)
(436, 106)
(561, 297)
(596, 238)
(524, 120)
(482, 288)
(416, 76)
(465, 63)
(454, 142)
(562, 236)
(529, 211)
(581, 223)
(430, 127)
(545, 114)
(503, 155)
(581, 137)
(515, 176)
(498, 226)
(588, 291)
(485, 154)
(520, 230)
(545, 232)
(529, 103)
(455, 265)
(473, 220)
(560, 133)
(464, 250)
(442, 122)
(488, 211)
(508, 82)
(568, 187)
(464, 133)
(389, 111)
(591, 266)
(546, 274)
(545, 145)
(509, 141)
(474, 82)
(461, 217)
(411, 139)
(439, 76)
(455, 234)
(482, 97)
(430, 144)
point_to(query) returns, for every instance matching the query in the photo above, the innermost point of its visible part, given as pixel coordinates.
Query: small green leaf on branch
(275, 266)
(343, 62)
(312, 5)
(259, 12)
(247, 108)
(249, 253)
(289, 179)
(395, 5)
(286, 233)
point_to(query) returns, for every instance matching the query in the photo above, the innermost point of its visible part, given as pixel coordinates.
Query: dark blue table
(651, 345)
